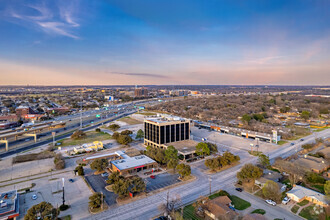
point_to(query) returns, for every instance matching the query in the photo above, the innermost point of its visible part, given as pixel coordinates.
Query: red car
(152, 177)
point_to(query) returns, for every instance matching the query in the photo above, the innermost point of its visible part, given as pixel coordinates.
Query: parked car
(71, 180)
(302, 139)
(105, 174)
(34, 197)
(285, 200)
(239, 189)
(152, 177)
(270, 202)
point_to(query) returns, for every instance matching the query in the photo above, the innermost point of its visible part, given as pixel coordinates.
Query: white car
(285, 200)
(34, 197)
(270, 202)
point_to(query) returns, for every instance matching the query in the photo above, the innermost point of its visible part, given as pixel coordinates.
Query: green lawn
(130, 121)
(309, 213)
(302, 203)
(255, 153)
(189, 213)
(90, 137)
(281, 142)
(147, 113)
(220, 193)
(286, 182)
(239, 204)
(321, 129)
(319, 188)
(259, 211)
(295, 209)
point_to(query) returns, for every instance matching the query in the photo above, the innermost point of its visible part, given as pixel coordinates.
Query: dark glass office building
(161, 131)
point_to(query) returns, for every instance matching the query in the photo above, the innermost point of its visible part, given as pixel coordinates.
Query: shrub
(126, 132)
(78, 135)
(314, 178)
(80, 170)
(98, 130)
(63, 207)
(307, 146)
(95, 200)
(59, 162)
(114, 127)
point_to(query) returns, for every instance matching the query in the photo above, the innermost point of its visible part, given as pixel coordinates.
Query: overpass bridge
(31, 131)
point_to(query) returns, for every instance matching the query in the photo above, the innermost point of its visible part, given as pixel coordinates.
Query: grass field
(130, 121)
(189, 213)
(90, 137)
(319, 188)
(302, 203)
(309, 213)
(147, 113)
(281, 142)
(239, 204)
(294, 209)
(259, 211)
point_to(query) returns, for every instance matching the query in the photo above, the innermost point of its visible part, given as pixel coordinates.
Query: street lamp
(63, 192)
(210, 181)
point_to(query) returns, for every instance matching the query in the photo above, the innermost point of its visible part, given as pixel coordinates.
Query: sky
(164, 42)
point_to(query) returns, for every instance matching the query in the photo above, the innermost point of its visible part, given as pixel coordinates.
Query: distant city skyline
(147, 42)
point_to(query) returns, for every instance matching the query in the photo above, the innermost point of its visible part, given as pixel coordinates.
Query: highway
(66, 132)
(146, 208)
(73, 123)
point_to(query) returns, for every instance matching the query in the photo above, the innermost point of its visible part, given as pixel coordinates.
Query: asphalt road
(146, 208)
(40, 143)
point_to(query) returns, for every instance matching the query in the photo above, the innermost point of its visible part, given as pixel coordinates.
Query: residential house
(299, 193)
(254, 216)
(270, 175)
(317, 165)
(219, 208)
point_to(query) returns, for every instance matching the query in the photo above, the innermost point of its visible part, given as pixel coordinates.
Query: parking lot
(50, 190)
(161, 181)
(228, 141)
(97, 182)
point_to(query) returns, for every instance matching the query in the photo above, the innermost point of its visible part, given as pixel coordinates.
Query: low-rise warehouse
(132, 165)
(9, 206)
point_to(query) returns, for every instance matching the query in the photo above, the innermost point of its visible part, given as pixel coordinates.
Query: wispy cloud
(140, 74)
(54, 20)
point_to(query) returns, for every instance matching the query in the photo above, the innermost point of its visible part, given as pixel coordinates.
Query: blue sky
(164, 42)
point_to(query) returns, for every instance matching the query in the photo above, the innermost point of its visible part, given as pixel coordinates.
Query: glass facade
(166, 133)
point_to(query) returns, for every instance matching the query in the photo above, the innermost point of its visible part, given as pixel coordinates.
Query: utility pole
(63, 192)
(210, 181)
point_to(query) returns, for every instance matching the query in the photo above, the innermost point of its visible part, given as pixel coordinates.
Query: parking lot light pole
(63, 192)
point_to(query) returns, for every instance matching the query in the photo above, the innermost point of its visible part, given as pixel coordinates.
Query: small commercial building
(132, 165)
(186, 149)
(86, 148)
(108, 156)
(299, 193)
(9, 205)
